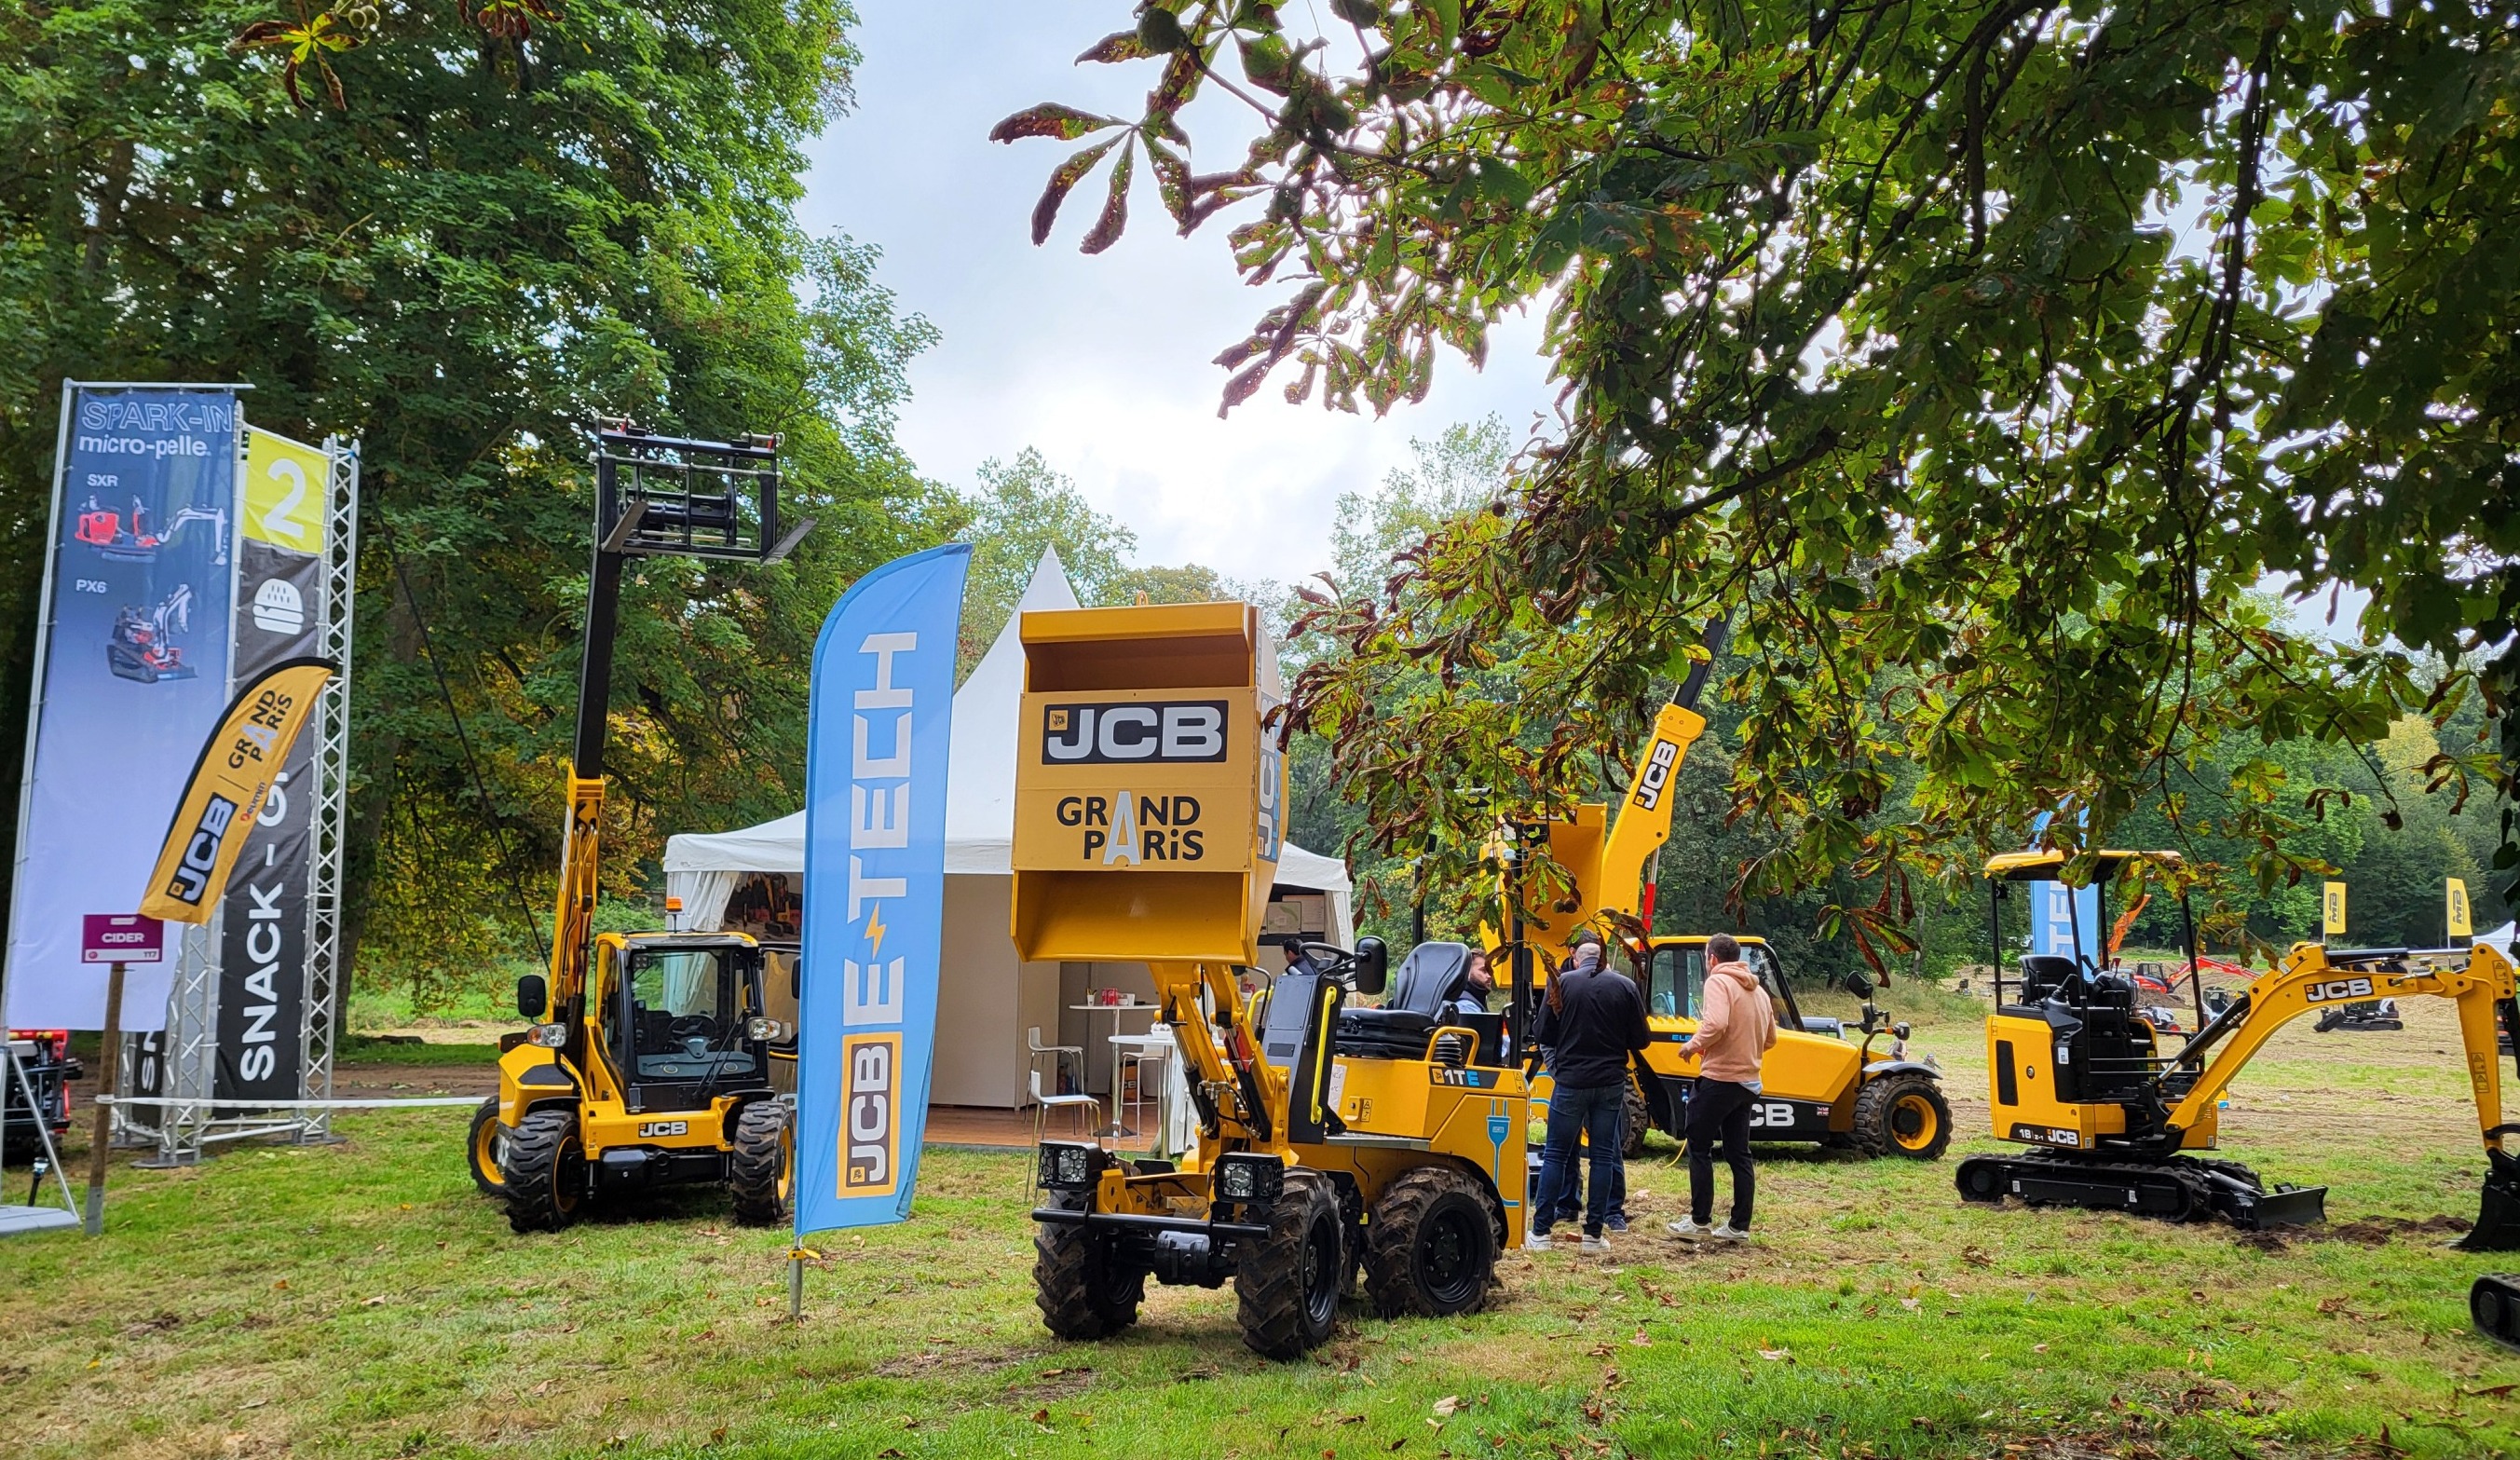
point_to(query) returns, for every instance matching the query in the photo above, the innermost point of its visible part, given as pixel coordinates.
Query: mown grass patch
(361, 1300)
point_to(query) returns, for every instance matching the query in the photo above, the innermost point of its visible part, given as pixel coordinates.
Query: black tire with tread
(543, 1171)
(1288, 1283)
(1636, 1117)
(761, 1169)
(1081, 1292)
(480, 1147)
(1876, 1104)
(1431, 1246)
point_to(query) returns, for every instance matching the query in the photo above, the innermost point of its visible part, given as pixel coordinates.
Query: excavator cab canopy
(2048, 866)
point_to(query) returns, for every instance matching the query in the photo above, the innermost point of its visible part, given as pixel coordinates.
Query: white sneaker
(1536, 1241)
(1596, 1242)
(1688, 1229)
(1731, 1234)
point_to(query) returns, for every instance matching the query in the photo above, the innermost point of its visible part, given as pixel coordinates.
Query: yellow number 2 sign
(284, 484)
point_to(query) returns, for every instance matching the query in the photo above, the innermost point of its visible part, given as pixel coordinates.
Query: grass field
(359, 1299)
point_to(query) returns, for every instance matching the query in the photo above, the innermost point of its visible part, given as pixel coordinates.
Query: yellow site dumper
(1334, 1140)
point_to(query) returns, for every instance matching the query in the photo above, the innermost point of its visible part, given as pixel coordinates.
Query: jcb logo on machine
(871, 1111)
(1474, 1079)
(2047, 1135)
(1656, 774)
(665, 1128)
(1185, 732)
(2335, 989)
(1771, 1114)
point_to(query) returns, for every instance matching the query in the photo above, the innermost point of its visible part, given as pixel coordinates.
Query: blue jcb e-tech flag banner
(876, 734)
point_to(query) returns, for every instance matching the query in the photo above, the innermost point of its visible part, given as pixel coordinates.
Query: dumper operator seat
(1431, 979)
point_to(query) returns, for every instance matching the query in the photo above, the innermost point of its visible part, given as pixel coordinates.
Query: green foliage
(1023, 508)
(1978, 361)
(496, 241)
(1026, 507)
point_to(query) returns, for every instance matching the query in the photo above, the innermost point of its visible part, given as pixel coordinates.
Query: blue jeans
(1592, 1114)
(1569, 1203)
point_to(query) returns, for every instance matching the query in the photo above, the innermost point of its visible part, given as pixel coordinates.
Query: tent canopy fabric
(702, 867)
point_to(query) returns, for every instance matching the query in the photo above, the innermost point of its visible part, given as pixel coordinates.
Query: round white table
(1154, 1047)
(1116, 1129)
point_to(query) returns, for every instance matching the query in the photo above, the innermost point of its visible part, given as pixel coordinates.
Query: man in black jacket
(1592, 1022)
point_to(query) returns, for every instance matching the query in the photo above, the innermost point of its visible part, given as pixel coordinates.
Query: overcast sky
(1101, 362)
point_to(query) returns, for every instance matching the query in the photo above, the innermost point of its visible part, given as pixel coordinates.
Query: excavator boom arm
(2482, 986)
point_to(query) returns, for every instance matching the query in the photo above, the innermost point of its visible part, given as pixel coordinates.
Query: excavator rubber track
(2494, 1304)
(2174, 1188)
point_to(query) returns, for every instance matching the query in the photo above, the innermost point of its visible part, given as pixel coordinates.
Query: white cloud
(1101, 362)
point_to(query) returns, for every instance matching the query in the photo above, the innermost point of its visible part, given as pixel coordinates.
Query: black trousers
(1719, 1110)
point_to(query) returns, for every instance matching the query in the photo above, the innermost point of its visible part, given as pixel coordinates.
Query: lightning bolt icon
(875, 931)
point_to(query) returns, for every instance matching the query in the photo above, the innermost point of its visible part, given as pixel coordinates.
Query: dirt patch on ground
(2370, 1231)
(387, 1081)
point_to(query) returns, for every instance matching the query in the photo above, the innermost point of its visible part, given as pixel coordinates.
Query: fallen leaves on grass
(1447, 1406)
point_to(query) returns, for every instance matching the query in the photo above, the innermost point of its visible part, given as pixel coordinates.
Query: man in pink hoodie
(1735, 1028)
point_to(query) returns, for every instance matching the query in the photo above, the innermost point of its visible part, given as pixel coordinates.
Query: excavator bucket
(2497, 1219)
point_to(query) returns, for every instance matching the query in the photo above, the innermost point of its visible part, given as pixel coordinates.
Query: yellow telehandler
(1814, 1085)
(649, 1060)
(2111, 1117)
(1332, 1140)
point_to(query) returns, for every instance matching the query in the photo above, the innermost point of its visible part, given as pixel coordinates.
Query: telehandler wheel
(483, 1147)
(1431, 1246)
(543, 1171)
(1082, 1289)
(1903, 1115)
(1637, 1116)
(1287, 1282)
(762, 1170)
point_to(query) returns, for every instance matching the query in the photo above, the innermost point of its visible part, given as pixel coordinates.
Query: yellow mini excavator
(1149, 788)
(2112, 1116)
(1814, 1085)
(649, 1060)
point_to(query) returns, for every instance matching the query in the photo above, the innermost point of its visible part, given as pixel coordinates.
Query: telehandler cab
(1814, 1085)
(2111, 1118)
(1332, 1140)
(649, 1062)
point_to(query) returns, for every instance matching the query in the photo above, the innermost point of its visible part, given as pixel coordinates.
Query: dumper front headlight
(1244, 1177)
(766, 1031)
(547, 1035)
(1067, 1167)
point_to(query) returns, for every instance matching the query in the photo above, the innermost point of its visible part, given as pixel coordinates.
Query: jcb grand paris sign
(1145, 751)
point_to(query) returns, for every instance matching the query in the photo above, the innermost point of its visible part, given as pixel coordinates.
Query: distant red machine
(103, 528)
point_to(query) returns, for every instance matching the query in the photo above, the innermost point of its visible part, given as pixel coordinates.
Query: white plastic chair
(1075, 1053)
(1091, 1107)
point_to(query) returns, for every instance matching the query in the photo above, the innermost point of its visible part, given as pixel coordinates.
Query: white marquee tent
(990, 999)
